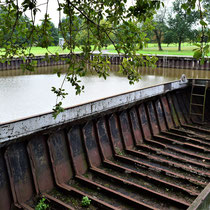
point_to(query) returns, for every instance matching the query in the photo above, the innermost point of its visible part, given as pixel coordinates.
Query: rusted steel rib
(129, 144)
(173, 112)
(104, 145)
(189, 133)
(157, 139)
(157, 181)
(19, 174)
(142, 189)
(168, 162)
(196, 128)
(119, 195)
(179, 111)
(164, 105)
(63, 170)
(25, 206)
(116, 138)
(79, 193)
(183, 122)
(42, 172)
(40, 164)
(184, 144)
(89, 128)
(59, 204)
(4, 185)
(170, 125)
(124, 122)
(187, 138)
(92, 148)
(172, 156)
(159, 169)
(181, 103)
(158, 129)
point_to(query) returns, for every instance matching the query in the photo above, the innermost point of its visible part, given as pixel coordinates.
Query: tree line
(174, 26)
(178, 26)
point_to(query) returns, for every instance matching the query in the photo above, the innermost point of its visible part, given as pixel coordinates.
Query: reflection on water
(26, 94)
(165, 72)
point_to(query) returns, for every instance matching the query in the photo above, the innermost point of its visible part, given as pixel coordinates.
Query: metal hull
(139, 150)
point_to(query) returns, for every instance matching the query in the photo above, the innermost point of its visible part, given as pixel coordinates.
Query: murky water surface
(28, 94)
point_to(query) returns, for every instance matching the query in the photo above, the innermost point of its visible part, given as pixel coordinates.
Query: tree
(206, 6)
(19, 33)
(55, 34)
(168, 36)
(70, 29)
(126, 25)
(83, 36)
(159, 26)
(159, 29)
(202, 49)
(181, 23)
(52, 34)
(193, 36)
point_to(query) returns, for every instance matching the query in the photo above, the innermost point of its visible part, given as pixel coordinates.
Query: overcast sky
(54, 14)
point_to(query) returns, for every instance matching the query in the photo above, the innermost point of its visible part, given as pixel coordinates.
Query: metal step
(197, 104)
(198, 95)
(199, 85)
(193, 94)
(196, 114)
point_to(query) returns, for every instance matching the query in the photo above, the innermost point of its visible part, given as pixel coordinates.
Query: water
(29, 94)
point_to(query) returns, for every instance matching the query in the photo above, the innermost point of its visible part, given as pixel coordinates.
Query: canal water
(27, 94)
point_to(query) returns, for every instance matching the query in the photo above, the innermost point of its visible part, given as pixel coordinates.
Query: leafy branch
(202, 49)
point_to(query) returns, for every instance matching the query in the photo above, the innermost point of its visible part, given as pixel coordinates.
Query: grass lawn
(186, 49)
(51, 50)
(172, 49)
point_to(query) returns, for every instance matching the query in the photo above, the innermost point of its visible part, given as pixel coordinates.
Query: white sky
(52, 10)
(54, 14)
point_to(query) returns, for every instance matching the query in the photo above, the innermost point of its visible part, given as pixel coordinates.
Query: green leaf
(197, 54)
(185, 6)
(203, 23)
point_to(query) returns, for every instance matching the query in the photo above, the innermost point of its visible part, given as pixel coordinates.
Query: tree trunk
(158, 38)
(159, 46)
(179, 48)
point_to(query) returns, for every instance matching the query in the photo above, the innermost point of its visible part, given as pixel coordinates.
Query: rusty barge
(138, 150)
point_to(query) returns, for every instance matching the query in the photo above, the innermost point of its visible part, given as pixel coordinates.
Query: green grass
(186, 49)
(51, 50)
(42, 51)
